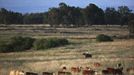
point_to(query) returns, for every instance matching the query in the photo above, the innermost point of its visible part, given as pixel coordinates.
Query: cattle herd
(80, 71)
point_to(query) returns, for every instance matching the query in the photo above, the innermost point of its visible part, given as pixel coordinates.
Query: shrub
(103, 38)
(17, 43)
(39, 44)
(49, 43)
(21, 43)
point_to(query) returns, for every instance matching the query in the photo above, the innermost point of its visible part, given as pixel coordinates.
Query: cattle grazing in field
(87, 55)
(112, 71)
(31, 73)
(16, 72)
(64, 73)
(130, 71)
(88, 72)
(47, 73)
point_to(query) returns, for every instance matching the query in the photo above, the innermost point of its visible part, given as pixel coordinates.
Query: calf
(31, 73)
(47, 73)
(64, 73)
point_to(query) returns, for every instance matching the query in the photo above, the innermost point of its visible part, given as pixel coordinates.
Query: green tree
(54, 18)
(93, 14)
(111, 16)
(33, 18)
(124, 11)
(9, 17)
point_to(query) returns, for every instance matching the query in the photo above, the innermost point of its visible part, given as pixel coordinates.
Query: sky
(29, 6)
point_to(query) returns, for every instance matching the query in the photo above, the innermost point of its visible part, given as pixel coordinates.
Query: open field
(108, 54)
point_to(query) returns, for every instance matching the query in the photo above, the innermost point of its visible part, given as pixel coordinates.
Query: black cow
(87, 55)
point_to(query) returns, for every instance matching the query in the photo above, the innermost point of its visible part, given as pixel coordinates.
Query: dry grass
(106, 53)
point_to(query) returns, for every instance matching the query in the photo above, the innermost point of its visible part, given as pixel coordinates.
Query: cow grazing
(88, 72)
(64, 73)
(87, 55)
(31, 73)
(112, 71)
(130, 71)
(47, 73)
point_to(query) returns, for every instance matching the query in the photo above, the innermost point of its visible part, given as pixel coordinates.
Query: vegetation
(19, 43)
(66, 16)
(10, 17)
(106, 53)
(49, 43)
(103, 38)
(16, 43)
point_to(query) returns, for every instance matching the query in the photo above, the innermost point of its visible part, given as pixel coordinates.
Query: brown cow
(47, 73)
(112, 71)
(64, 73)
(88, 72)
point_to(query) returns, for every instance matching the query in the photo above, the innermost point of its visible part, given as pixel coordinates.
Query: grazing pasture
(82, 40)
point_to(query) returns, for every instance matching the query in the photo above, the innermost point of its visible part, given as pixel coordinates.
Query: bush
(103, 38)
(49, 43)
(17, 43)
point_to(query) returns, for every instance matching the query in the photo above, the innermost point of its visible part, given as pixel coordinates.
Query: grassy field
(108, 54)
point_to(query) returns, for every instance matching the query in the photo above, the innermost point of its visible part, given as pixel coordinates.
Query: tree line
(66, 16)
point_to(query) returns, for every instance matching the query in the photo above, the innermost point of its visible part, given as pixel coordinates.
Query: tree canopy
(66, 16)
